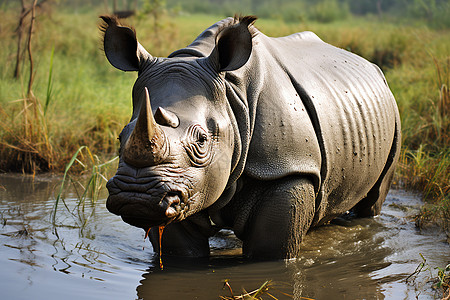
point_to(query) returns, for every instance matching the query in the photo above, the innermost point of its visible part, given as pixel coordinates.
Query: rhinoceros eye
(198, 145)
(202, 139)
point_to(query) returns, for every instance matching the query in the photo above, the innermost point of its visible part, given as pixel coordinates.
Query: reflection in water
(365, 258)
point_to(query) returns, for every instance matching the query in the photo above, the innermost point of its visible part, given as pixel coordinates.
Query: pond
(88, 253)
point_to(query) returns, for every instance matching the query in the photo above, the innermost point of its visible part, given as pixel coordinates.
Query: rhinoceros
(265, 136)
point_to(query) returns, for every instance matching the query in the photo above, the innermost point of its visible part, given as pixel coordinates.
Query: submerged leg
(371, 205)
(187, 238)
(279, 219)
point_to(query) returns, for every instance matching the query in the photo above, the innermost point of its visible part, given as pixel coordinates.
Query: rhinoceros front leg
(279, 219)
(188, 238)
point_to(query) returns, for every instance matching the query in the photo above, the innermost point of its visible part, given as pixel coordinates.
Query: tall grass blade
(61, 189)
(90, 190)
(49, 83)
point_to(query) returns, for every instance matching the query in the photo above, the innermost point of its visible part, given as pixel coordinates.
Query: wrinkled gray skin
(266, 136)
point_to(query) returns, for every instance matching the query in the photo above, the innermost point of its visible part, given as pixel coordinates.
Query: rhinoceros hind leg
(371, 205)
(281, 217)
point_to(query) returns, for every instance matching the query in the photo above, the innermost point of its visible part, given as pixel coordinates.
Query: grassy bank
(78, 99)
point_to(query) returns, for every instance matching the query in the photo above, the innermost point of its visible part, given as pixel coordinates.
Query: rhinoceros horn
(146, 145)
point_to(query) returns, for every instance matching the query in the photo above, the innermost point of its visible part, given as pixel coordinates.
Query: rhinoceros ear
(121, 46)
(233, 45)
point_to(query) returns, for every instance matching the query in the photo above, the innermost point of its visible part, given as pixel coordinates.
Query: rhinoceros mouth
(145, 205)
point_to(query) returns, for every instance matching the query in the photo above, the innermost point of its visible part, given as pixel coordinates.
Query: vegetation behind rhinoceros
(67, 104)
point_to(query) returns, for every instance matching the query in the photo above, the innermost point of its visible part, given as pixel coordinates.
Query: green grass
(88, 97)
(80, 100)
(87, 193)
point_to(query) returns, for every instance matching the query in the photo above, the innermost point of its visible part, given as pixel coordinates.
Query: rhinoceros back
(310, 109)
(353, 112)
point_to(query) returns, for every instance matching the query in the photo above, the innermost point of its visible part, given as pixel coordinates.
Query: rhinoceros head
(177, 152)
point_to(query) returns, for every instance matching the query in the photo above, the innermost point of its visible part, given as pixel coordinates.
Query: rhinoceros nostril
(173, 205)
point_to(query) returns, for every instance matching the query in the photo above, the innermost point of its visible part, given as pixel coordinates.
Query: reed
(268, 290)
(95, 177)
(440, 278)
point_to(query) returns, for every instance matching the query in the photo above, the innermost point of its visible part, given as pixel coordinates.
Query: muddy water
(90, 254)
